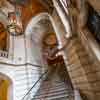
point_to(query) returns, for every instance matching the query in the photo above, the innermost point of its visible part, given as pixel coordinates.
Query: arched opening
(5, 88)
(56, 63)
(43, 37)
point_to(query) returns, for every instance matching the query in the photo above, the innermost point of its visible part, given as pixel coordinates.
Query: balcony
(4, 56)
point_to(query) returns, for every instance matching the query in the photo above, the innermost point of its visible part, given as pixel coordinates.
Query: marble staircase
(53, 88)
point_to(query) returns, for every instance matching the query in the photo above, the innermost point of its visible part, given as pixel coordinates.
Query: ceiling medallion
(15, 25)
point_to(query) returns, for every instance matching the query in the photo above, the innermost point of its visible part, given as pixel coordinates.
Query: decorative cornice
(24, 64)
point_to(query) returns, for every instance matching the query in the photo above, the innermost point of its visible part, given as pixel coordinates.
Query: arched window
(3, 38)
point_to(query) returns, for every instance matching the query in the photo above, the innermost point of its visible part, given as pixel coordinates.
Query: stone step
(53, 89)
(51, 96)
(60, 90)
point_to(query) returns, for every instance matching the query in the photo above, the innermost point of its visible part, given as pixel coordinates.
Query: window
(93, 22)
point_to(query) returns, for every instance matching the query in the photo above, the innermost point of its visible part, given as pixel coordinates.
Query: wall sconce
(15, 25)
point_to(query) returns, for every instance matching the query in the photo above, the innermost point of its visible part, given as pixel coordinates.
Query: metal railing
(33, 86)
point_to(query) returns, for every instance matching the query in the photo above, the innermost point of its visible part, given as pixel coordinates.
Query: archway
(36, 30)
(6, 92)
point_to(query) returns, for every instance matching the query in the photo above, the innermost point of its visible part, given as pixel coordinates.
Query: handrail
(35, 84)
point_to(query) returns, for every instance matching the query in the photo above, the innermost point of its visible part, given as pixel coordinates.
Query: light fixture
(15, 25)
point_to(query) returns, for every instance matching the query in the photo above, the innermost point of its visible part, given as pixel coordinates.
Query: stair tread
(54, 92)
(52, 89)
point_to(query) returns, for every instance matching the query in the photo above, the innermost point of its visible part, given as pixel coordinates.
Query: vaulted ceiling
(30, 8)
(46, 3)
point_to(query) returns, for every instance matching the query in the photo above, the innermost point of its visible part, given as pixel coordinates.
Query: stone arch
(33, 31)
(37, 20)
(34, 35)
(46, 16)
(8, 86)
(37, 27)
(41, 16)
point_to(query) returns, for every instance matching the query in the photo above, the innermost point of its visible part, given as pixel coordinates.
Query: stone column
(17, 49)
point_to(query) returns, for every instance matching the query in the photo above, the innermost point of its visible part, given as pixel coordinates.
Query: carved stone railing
(3, 54)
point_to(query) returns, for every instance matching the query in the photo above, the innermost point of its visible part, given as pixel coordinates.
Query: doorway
(5, 87)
